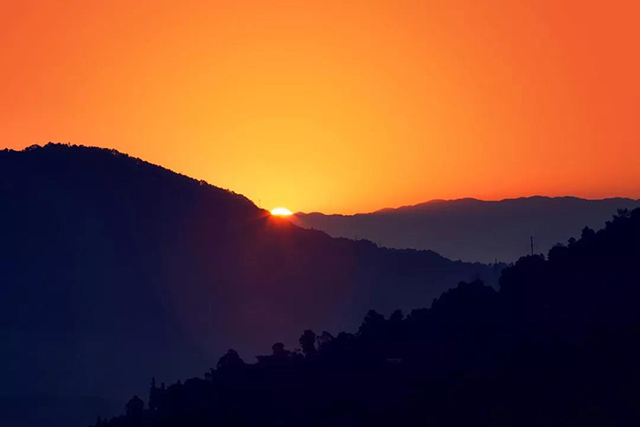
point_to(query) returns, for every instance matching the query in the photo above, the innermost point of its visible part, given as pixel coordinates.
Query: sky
(342, 106)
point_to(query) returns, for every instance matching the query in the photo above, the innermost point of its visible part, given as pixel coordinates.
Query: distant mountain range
(471, 229)
(113, 270)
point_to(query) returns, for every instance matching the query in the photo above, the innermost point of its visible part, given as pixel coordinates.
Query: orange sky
(337, 106)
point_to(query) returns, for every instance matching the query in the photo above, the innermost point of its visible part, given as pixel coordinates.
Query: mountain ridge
(465, 199)
(191, 270)
(473, 229)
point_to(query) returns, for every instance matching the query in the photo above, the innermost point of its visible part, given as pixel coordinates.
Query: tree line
(557, 344)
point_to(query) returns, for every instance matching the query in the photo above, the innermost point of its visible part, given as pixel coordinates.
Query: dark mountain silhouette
(113, 270)
(557, 345)
(471, 229)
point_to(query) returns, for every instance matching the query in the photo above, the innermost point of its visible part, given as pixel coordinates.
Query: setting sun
(281, 212)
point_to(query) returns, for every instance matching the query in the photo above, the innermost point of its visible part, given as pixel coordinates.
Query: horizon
(296, 212)
(338, 108)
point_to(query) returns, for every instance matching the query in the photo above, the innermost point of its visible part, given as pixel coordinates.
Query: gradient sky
(337, 106)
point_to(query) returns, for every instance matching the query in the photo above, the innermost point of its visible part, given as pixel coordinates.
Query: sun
(281, 212)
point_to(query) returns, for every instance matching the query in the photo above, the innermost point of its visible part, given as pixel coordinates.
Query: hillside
(556, 345)
(113, 269)
(471, 229)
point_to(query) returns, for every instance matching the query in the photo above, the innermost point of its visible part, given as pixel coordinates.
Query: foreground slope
(474, 230)
(113, 269)
(557, 345)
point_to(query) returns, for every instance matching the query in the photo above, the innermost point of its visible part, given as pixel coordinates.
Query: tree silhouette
(135, 408)
(555, 345)
(230, 361)
(308, 342)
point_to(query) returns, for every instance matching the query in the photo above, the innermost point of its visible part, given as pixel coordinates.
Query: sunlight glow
(281, 212)
(338, 107)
